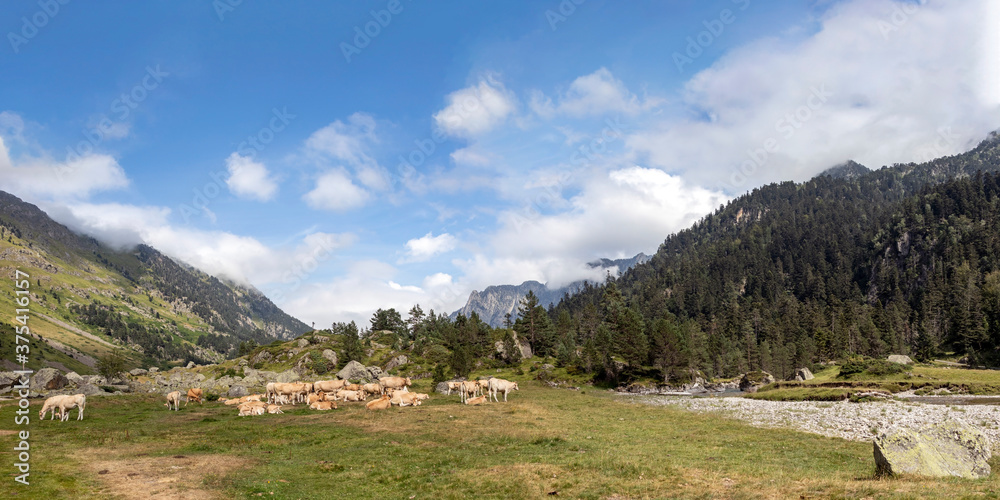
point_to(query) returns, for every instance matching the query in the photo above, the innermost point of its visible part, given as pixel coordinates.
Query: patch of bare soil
(173, 477)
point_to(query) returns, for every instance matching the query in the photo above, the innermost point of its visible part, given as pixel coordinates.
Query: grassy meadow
(544, 442)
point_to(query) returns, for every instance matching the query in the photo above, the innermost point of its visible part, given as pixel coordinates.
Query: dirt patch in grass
(173, 476)
(7, 433)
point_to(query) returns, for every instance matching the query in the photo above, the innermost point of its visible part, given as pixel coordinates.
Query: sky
(348, 156)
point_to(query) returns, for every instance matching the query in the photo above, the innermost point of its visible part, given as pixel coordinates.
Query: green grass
(583, 444)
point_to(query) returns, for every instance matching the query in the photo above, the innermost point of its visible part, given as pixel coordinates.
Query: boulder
(75, 379)
(374, 373)
(89, 390)
(396, 362)
(525, 351)
(287, 376)
(8, 379)
(153, 369)
(243, 362)
(190, 365)
(939, 450)
(548, 366)
(441, 388)
(237, 391)
(330, 356)
(900, 359)
(320, 339)
(354, 372)
(138, 372)
(802, 374)
(261, 358)
(303, 343)
(752, 381)
(48, 379)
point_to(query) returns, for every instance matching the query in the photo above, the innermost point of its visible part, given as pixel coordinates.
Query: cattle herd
(320, 395)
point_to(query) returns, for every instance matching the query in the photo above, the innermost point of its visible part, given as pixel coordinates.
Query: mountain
(904, 259)
(495, 302)
(847, 171)
(90, 298)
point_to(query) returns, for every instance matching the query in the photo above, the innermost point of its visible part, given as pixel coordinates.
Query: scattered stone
(75, 379)
(261, 358)
(374, 373)
(48, 379)
(942, 450)
(752, 381)
(548, 366)
(441, 388)
(802, 374)
(303, 343)
(8, 379)
(89, 390)
(243, 362)
(138, 372)
(353, 371)
(330, 356)
(320, 339)
(237, 391)
(396, 362)
(190, 365)
(900, 359)
(287, 376)
(153, 369)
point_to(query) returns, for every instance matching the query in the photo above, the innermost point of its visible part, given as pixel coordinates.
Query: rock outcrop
(945, 449)
(752, 381)
(353, 371)
(900, 359)
(802, 374)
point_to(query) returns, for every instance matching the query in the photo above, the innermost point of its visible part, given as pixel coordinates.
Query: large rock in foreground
(48, 379)
(941, 450)
(353, 371)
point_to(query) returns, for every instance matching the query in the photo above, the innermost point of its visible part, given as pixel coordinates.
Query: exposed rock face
(261, 358)
(945, 449)
(48, 379)
(237, 391)
(191, 365)
(899, 358)
(374, 373)
(303, 343)
(89, 390)
(75, 379)
(397, 362)
(138, 372)
(354, 372)
(153, 369)
(330, 356)
(755, 380)
(287, 376)
(802, 374)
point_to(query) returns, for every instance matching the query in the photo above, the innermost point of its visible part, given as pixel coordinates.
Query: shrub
(211, 397)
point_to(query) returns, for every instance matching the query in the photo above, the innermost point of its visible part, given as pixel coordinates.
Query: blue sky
(460, 144)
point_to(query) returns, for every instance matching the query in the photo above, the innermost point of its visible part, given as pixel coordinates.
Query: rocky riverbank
(853, 421)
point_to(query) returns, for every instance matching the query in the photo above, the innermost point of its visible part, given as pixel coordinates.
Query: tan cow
(195, 394)
(372, 389)
(329, 386)
(51, 404)
(468, 389)
(394, 382)
(346, 395)
(500, 385)
(274, 409)
(319, 396)
(232, 402)
(382, 403)
(352, 387)
(252, 409)
(454, 386)
(477, 400)
(407, 398)
(323, 405)
(174, 398)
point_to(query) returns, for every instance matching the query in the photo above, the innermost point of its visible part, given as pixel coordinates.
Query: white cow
(498, 385)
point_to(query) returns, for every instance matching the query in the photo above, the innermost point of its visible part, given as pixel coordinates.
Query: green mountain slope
(90, 299)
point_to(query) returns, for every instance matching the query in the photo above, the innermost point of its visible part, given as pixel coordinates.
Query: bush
(106, 388)
(440, 374)
(211, 397)
(112, 365)
(869, 366)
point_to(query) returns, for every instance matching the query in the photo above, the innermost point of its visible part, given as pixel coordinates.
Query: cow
(329, 386)
(454, 386)
(372, 389)
(498, 385)
(195, 394)
(395, 383)
(382, 403)
(174, 399)
(346, 395)
(477, 400)
(323, 405)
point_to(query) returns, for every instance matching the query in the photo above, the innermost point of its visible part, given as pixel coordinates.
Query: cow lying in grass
(382, 403)
(476, 401)
(407, 398)
(323, 405)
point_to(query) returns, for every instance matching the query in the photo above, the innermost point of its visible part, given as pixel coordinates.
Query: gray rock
(525, 351)
(191, 365)
(802, 374)
(243, 362)
(89, 390)
(261, 358)
(396, 362)
(752, 381)
(441, 388)
(548, 366)
(320, 339)
(940, 450)
(374, 373)
(138, 372)
(303, 343)
(354, 372)
(48, 379)
(287, 376)
(153, 369)
(900, 359)
(330, 356)
(237, 391)
(8, 379)
(75, 379)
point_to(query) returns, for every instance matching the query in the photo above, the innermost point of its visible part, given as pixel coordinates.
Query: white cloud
(866, 86)
(477, 109)
(469, 156)
(249, 179)
(335, 191)
(598, 93)
(45, 178)
(422, 249)
(617, 214)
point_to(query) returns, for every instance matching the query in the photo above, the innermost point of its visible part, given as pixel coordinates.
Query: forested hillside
(899, 260)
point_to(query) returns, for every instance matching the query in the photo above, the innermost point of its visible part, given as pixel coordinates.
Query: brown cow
(382, 403)
(195, 394)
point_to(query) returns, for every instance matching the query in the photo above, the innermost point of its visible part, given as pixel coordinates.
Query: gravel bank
(853, 421)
